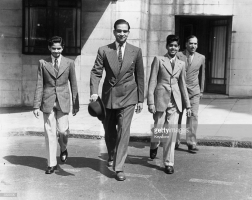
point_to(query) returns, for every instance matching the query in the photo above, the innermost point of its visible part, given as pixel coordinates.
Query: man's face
(56, 49)
(172, 48)
(121, 33)
(192, 45)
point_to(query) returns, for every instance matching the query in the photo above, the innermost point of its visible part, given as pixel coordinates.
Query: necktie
(56, 67)
(120, 56)
(172, 63)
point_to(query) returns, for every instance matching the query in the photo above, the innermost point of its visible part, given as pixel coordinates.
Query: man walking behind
(194, 62)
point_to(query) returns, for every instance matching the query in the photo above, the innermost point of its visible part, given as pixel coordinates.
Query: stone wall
(151, 21)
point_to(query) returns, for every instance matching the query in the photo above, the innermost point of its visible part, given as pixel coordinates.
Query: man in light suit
(123, 89)
(194, 62)
(52, 97)
(167, 88)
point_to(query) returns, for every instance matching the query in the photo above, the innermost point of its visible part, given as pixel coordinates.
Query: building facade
(223, 28)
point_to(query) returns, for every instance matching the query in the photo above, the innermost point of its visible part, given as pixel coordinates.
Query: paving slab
(222, 121)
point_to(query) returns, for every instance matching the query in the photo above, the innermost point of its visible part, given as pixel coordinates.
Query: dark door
(213, 37)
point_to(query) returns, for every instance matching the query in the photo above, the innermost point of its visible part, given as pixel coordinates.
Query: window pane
(78, 28)
(38, 2)
(67, 26)
(67, 3)
(37, 27)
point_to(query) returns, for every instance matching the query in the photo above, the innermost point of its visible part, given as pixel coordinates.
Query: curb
(146, 139)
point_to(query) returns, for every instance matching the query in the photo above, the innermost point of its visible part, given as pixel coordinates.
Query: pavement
(222, 122)
(213, 173)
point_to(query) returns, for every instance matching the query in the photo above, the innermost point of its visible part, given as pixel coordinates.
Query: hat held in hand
(97, 109)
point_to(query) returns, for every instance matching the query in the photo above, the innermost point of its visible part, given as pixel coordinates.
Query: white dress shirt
(59, 60)
(122, 48)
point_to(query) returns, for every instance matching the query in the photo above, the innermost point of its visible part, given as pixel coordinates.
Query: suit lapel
(63, 66)
(49, 66)
(113, 59)
(176, 67)
(167, 64)
(195, 60)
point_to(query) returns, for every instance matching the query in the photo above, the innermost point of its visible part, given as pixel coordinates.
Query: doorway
(214, 38)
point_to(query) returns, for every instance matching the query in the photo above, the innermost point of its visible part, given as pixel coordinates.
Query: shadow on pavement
(9, 110)
(76, 162)
(143, 161)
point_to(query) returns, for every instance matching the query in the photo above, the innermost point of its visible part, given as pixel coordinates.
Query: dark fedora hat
(97, 109)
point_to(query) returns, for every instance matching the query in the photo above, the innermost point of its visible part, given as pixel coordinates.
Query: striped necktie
(56, 67)
(120, 55)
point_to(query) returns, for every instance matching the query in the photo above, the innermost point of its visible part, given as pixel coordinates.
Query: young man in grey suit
(52, 97)
(194, 62)
(123, 89)
(167, 89)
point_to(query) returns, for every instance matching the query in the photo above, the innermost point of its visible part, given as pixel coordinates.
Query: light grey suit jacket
(164, 82)
(192, 73)
(49, 87)
(121, 88)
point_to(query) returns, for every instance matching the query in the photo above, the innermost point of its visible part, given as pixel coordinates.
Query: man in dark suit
(123, 89)
(194, 62)
(52, 97)
(167, 89)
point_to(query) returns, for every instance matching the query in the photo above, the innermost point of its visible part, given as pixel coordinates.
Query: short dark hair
(121, 21)
(189, 37)
(56, 39)
(172, 38)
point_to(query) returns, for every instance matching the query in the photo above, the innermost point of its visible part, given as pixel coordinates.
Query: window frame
(51, 5)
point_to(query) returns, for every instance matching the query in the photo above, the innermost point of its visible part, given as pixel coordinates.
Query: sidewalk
(222, 122)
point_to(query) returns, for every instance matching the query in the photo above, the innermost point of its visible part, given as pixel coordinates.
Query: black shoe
(63, 156)
(192, 147)
(120, 176)
(169, 170)
(177, 144)
(50, 170)
(110, 163)
(153, 153)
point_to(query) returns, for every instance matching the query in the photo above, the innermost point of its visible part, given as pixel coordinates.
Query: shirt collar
(170, 58)
(117, 45)
(53, 59)
(187, 53)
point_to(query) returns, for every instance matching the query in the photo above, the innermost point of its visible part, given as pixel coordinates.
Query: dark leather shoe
(153, 153)
(110, 163)
(192, 147)
(177, 144)
(169, 170)
(63, 156)
(50, 170)
(120, 176)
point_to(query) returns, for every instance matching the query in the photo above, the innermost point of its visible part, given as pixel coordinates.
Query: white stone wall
(18, 72)
(239, 71)
(151, 21)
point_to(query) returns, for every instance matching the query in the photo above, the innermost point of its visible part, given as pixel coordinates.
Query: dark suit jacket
(192, 73)
(49, 86)
(164, 81)
(121, 87)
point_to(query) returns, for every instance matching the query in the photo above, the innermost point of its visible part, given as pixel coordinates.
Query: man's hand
(74, 111)
(139, 107)
(152, 109)
(201, 95)
(36, 112)
(93, 97)
(188, 112)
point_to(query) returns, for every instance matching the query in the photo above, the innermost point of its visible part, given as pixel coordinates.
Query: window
(43, 19)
